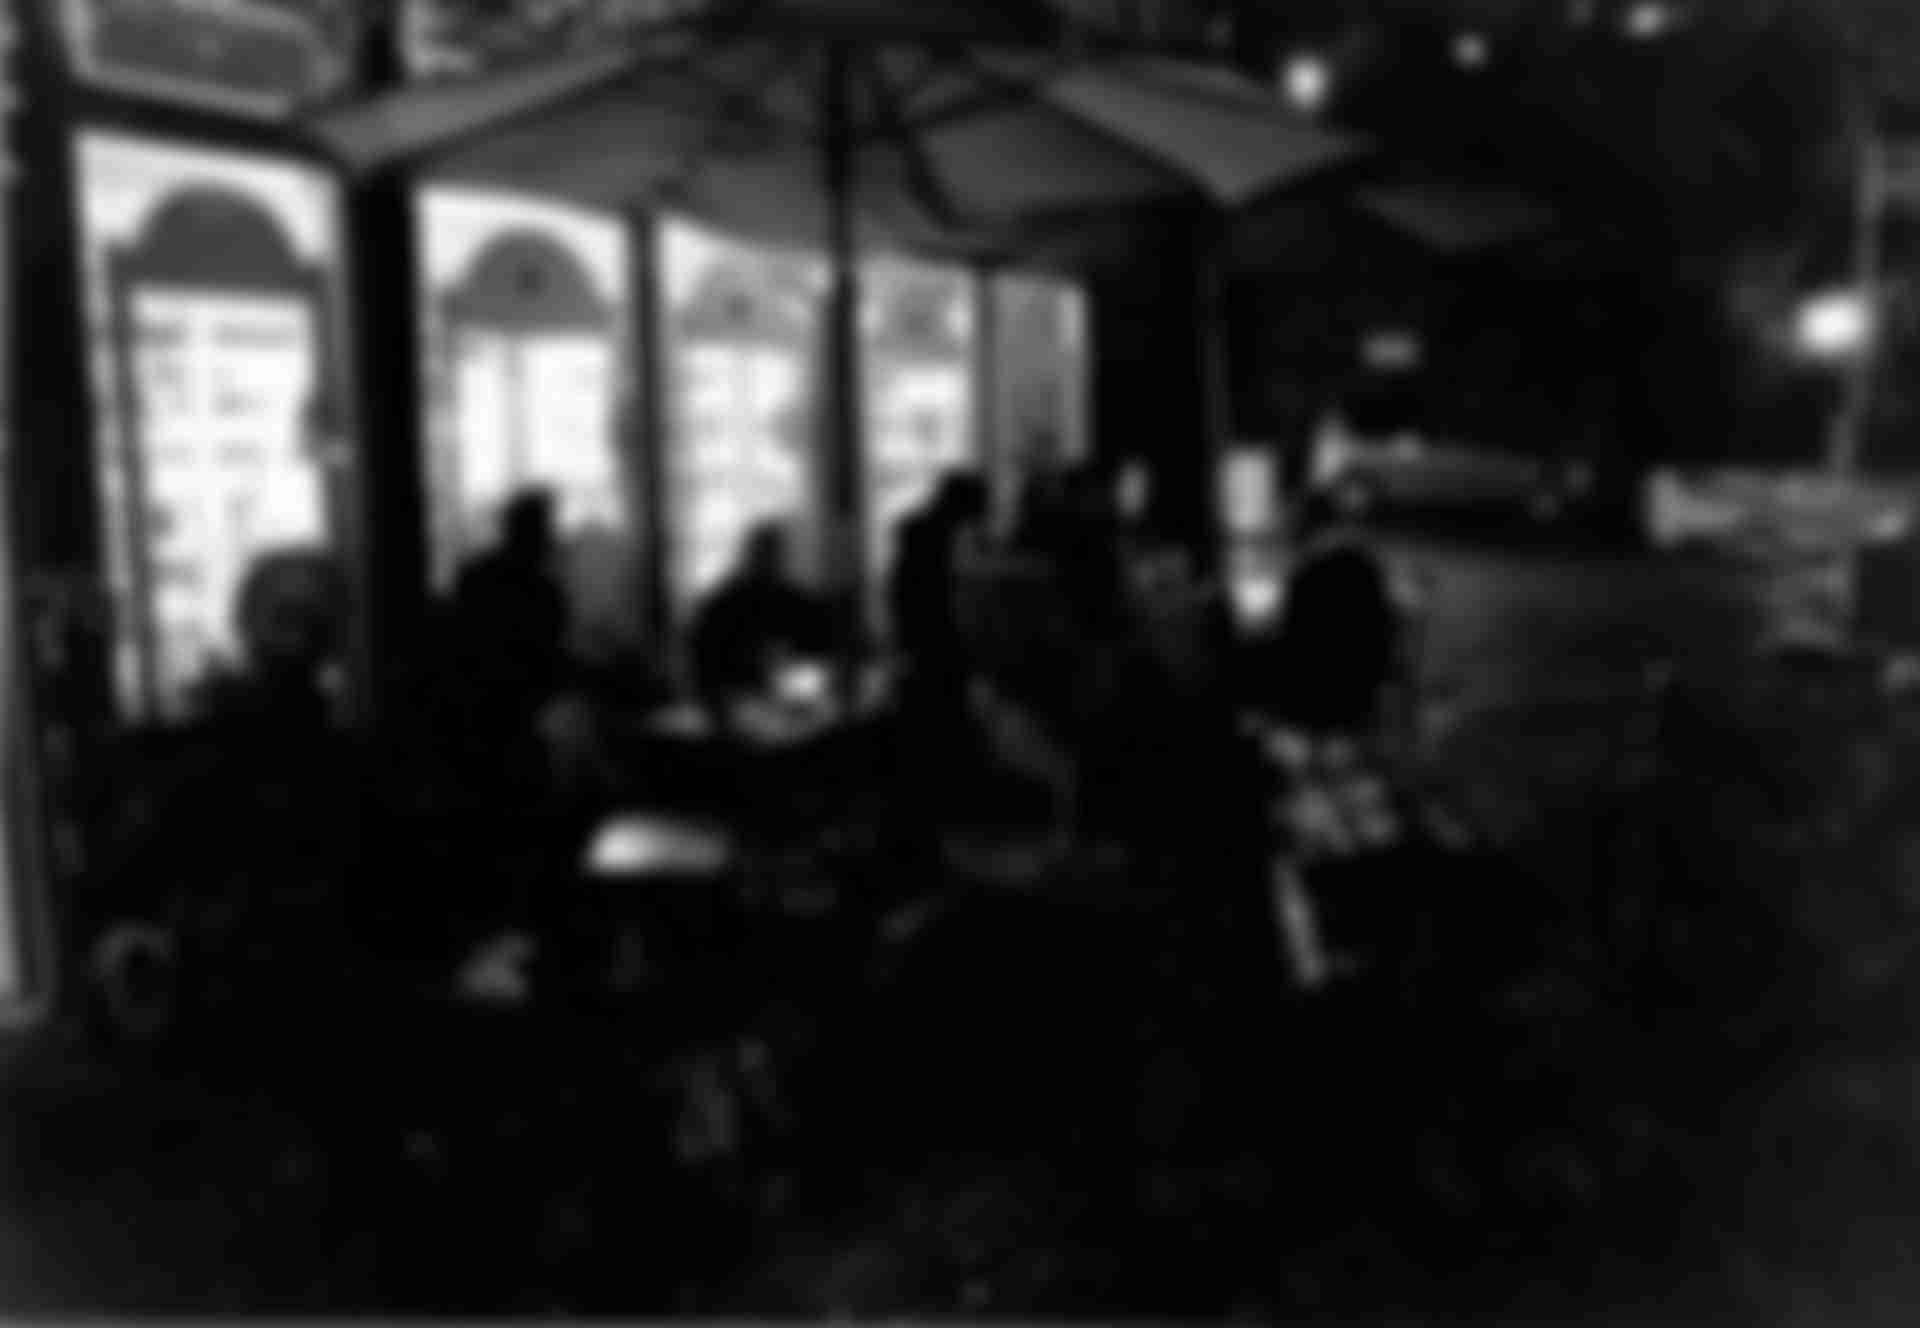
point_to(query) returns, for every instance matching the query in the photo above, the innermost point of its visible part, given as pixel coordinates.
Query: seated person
(761, 637)
(510, 617)
(246, 846)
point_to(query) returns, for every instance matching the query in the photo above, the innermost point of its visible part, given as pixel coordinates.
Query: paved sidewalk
(122, 1193)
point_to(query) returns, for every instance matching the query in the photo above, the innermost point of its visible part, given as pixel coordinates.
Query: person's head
(1315, 519)
(291, 614)
(528, 526)
(766, 555)
(962, 498)
(1335, 590)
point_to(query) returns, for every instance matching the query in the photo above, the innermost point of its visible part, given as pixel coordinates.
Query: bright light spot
(1835, 325)
(641, 845)
(1308, 81)
(1392, 351)
(1649, 20)
(1471, 51)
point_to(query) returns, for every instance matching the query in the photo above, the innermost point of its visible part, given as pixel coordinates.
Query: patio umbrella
(920, 124)
(1455, 220)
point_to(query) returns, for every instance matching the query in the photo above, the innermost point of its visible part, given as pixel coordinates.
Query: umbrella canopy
(916, 124)
(956, 134)
(1455, 220)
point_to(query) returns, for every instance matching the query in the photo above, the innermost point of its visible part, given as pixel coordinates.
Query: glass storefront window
(210, 284)
(1043, 355)
(526, 329)
(743, 325)
(918, 330)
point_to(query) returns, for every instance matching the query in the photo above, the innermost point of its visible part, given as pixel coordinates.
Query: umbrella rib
(560, 103)
(740, 105)
(1006, 92)
(718, 31)
(1142, 153)
(923, 175)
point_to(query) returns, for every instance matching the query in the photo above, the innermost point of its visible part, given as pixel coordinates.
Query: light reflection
(1471, 51)
(1836, 325)
(1649, 20)
(1307, 81)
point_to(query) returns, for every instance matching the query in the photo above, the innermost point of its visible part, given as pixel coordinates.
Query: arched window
(211, 286)
(527, 345)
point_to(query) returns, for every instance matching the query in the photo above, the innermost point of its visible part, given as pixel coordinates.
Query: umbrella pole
(845, 450)
(1210, 336)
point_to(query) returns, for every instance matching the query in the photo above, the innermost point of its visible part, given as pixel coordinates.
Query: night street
(1783, 1204)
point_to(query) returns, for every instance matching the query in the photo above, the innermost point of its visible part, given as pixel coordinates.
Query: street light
(1471, 51)
(1835, 326)
(1650, 20)
(1308, 82)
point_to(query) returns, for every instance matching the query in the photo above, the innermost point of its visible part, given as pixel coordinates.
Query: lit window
(527, 317)
(919, 377)
(221, 365)
(741, 328)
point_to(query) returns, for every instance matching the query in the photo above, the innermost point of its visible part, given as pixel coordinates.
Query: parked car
(1770, 517)
(1408, 473)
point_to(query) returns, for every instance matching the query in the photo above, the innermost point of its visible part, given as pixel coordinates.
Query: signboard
(1250, 509)
(1250, 490)
(1891, 255)
(257, 57)
(454, 37)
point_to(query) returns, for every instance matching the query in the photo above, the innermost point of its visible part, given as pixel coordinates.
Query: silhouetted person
(510, 615)
(1041, 508)
(290, 617)
(1333, 657)
(757, 616)
(922, 594)
(923, 603)
(247, 841)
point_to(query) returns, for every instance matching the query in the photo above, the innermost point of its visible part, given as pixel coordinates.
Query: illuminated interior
(525, 324)
(208, 376)
(741, 328)
(919, 379)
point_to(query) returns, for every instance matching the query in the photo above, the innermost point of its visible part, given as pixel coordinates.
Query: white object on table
(641, 844)
(495, 973)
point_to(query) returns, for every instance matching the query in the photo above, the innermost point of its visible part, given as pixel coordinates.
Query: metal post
(647, 431)
(137, 503)
(1855, 416)
(31, 962)
(1211, 340)
(990, 433)
(844, 446)
(517, 347)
